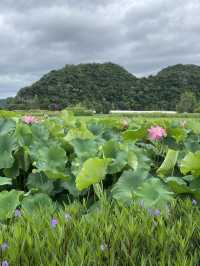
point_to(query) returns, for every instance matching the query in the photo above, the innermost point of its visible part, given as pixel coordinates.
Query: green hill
(109, 86)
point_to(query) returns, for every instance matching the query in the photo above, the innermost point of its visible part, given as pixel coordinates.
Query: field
(99, 190)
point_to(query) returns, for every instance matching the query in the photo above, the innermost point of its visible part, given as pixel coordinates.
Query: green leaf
(23, 159)
(50, 160)
(121, 157)
(168, 164)
(153, 193)
(79, 133)
(128, 184)
(23, 134)
(191, 164)
(5, 181)
(117, 164)
(179, 134)
(6, 126)
(177, 185)
(92, 172)
(40, 182)
(7, 146)
(84, 147)
(110, 149)
(137, 134)
(32, 202)
(9, 201)
(68, 118)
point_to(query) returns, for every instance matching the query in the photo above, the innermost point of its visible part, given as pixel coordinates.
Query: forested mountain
(109, 86)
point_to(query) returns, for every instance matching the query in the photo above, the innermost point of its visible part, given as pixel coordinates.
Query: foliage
(104, 87)
(187, 103)
(108, 235)
(64, 158)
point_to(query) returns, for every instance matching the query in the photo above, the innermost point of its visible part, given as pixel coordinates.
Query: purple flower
(4, 246)
(5, 263)
(54, 223)
(18, 213)
(68, 217)
(194, 202)
(154, 212)
(157, 212)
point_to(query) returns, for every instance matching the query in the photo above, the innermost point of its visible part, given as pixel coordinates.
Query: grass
(110, 235)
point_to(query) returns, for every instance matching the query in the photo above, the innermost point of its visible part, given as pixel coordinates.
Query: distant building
(141, 112)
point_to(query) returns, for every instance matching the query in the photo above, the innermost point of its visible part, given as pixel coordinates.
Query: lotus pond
(140, 170)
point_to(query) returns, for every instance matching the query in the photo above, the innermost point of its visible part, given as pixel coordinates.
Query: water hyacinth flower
(157, 133)
(4, 246)
(18, 213)
(157, 212)
(194, 202)
(54, 223)
(29, 119)
(5, 263)
(152, 212)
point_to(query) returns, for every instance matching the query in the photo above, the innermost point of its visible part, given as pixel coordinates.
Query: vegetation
(187, 103)
(134, 183)
(103, 87)
(64, 158)
(108, 235)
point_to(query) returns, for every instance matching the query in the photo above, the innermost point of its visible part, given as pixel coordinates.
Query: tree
(187, 103)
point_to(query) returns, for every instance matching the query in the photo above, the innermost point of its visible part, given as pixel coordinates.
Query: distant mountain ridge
(109, 86)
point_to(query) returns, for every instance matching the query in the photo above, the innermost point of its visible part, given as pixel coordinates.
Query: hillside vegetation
(109, 86)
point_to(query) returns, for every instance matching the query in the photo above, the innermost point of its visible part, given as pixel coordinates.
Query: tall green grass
(108, 235)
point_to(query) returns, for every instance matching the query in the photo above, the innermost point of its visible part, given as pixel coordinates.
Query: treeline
(104, 87)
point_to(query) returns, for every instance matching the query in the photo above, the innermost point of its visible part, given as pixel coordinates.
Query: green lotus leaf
(92, 172)
(168, 164)
(78, 133)
(7, 146)
(23, 134)
(128, 183)
(177, 185)
(84, 147)
(33, 202)
(178, 133)
(40, 182)
(136, 134)
(191, 164)
(50, 160)
(9, 201)
(68, 118)
(154, 194)
(5, 181)
(110, 149)
(7, 126)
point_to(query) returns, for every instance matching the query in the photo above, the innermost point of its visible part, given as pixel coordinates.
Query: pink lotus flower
(29, 119)
(157, 133)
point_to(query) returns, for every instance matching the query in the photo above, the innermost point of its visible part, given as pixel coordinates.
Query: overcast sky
(142, 35)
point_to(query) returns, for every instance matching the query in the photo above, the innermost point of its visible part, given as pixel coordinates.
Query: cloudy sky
(142, 35)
